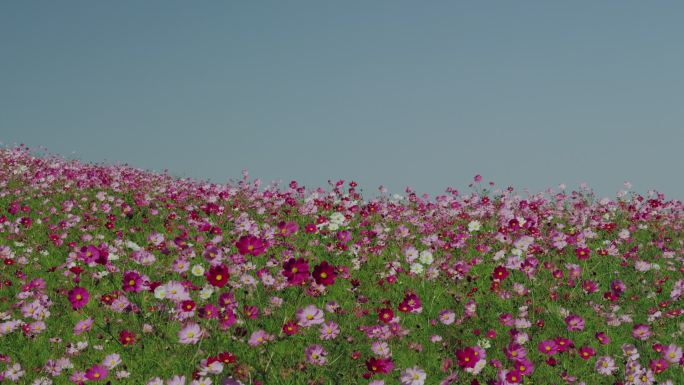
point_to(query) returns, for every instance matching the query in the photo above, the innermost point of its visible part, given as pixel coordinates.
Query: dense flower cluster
(117, 275)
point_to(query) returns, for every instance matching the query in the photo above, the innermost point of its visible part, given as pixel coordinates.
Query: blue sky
(395, 93)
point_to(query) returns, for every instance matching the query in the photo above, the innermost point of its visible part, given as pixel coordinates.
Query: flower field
(116, 275)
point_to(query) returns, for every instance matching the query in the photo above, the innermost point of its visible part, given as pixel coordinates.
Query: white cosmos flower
(425, 257)
(160, 292)
(206, 292)
(197, 270)
(474, 226)
(417, 268)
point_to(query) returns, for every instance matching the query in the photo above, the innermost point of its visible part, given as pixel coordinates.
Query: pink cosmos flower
(259, 337)
(190, 334)
(515, 351)
(329, 330)
(316, 355)
(605, 365)
(672, 353)
(574, 322)
(309, 316)
(83, 326)
(412, 376)
(641, 332)
(447, 317)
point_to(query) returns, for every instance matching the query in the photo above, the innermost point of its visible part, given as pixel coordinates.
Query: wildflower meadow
(116, 275)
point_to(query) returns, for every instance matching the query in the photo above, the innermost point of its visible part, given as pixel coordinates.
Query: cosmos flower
(586, 352)
(83, 326)
(500, 273)
(316, 355)
(218, 275)
(412, 376)
(309, 316)
(467, 357)
(324, 274)
(126, 337)
(296, 271)
(249, 244)
(447, 317)
(379, 365)
(259, 337)
(190, 334)
(672, 353)
(641, 332)
(385, 315)
(329, 330)
(574, 322)
(548, 347)
(78, 297)
(605, 365)
(96, 373)
(132, 281)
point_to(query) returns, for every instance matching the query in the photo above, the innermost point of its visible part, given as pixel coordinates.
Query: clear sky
(395, 93)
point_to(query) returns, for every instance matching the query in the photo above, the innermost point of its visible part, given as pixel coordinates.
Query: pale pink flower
(190, 334)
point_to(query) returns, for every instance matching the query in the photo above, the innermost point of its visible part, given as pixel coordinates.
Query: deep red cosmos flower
(188, 305)
(467, 357)
(324, 274)
(126, 338)
(249, 244)
(385, 315)
(586, 352)
(379, 365)
(500, 273)
(218, 275)
(226, 357)
(78, 297)
(290, 328)
(132, 281)
(296, 271)
(582, 252)
(410, 303)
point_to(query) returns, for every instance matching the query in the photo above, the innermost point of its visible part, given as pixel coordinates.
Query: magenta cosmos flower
(379, 365)
(249, 244)
(548, 347)
(132, 281)
(96, 373)
(78, 297)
